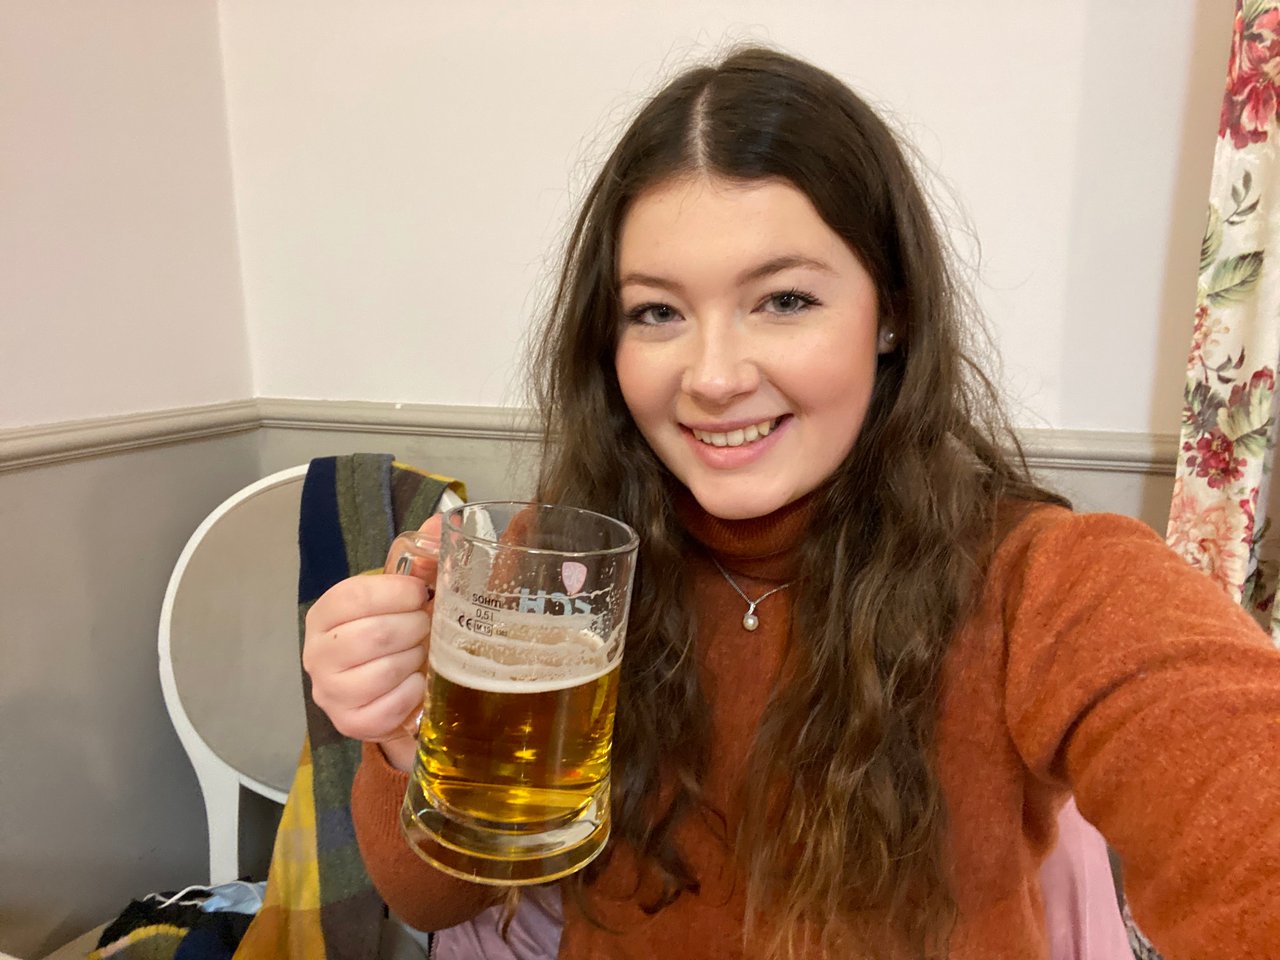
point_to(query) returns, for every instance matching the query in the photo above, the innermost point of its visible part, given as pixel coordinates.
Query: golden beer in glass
(511, 780)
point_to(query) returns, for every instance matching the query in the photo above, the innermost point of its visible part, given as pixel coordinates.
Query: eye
(789, 302)
(652, 314)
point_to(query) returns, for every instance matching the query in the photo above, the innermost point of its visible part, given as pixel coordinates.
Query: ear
(892, 310)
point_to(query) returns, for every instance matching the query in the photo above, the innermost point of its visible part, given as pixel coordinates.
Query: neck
(763, 548)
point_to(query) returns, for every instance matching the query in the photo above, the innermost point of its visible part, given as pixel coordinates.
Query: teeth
(736, 438)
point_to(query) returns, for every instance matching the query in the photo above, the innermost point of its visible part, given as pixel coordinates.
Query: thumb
(431, 527)
(427, 568)
(416, 554)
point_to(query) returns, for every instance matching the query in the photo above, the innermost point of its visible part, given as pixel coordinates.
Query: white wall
(404, 171)
(119, 280)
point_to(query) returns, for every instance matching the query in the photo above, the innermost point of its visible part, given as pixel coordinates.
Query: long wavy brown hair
(846, 828)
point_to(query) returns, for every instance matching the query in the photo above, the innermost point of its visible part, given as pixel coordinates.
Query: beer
(524, 755)
(513, 755)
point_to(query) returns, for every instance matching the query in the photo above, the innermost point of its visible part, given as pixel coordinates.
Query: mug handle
(416, 555)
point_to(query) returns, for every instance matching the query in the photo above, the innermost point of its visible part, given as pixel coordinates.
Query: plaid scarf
(319, 901)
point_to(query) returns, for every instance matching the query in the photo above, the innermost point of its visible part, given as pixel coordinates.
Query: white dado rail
(81, 439)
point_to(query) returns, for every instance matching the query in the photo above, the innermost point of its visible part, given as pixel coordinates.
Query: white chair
(229, 659)
(229, 655)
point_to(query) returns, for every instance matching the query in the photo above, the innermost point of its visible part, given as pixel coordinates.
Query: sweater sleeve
(1135, 680)
(415, 891)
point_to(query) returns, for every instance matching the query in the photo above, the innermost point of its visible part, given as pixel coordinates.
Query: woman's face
(749, 340)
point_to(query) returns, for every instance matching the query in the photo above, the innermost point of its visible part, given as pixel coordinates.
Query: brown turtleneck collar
(763, 548)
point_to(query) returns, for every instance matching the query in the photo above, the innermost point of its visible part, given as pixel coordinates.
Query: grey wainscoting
(97, 800)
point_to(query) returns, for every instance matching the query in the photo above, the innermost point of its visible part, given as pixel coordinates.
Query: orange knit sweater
(1096, 662)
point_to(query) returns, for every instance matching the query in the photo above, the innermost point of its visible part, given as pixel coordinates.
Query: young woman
(757, 358)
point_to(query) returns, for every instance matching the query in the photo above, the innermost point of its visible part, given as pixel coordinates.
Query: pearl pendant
(750, 621)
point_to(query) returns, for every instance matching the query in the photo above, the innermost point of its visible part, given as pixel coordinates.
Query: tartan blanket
(319, 901)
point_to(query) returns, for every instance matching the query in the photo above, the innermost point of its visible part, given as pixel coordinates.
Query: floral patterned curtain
(1223, 505)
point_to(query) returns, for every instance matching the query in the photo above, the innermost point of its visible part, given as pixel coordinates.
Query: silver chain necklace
(749, 619)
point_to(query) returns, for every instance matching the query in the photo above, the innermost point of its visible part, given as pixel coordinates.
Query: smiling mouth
(736, 438)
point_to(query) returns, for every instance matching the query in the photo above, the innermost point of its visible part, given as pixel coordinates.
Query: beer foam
(563, 657)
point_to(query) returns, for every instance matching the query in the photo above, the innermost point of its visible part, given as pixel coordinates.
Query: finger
(372, 638)
(363, 684)
(387, 715)
(360, 641)
(359, 597)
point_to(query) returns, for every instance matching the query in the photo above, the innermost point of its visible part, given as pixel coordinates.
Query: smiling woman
(757, 250)
(750, 341)
(869, 659)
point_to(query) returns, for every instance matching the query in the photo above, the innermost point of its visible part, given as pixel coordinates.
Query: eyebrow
(766, 269)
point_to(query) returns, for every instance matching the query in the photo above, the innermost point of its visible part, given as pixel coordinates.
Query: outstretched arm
(1133, 678)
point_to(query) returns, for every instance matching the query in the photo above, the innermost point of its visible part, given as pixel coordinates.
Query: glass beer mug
(511, 781)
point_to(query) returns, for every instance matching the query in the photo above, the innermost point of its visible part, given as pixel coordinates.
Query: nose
(721, 367)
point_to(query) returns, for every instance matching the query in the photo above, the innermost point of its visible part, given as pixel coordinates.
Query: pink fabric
(534, 933)
(1081, 912)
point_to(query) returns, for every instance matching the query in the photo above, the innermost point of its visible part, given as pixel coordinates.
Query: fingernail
(412, 725)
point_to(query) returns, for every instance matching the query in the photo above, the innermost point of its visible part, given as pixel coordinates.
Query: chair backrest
(229, 664)
(229, 658)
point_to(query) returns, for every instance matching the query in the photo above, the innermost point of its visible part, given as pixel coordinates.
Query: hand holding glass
(511, 781)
